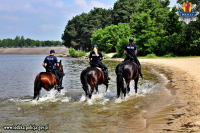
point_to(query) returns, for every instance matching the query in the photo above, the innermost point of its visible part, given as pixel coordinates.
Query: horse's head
(60, 68)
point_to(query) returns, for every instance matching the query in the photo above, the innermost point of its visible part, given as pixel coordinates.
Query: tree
(22, 41)
(145, 32)
(107, 38)
(79, 30)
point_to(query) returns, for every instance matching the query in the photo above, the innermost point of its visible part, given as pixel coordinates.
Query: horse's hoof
(90, 96)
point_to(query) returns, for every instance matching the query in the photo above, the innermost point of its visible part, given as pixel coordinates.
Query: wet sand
(181, 112)
(184, 76)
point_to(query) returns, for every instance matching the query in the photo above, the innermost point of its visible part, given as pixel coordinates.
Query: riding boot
(59, 84)
(106, 75)
(141, 75)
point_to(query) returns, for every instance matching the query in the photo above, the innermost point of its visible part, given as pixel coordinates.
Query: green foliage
(121, 45)
(74, 53)
(107, 38)
(170, 55)
(81, 53)
(150, 56)
(145, 31)
(21, 42)
(114, 56)
(104, 55)
(79, 30)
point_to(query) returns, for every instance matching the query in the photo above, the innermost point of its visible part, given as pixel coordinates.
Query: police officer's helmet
(95, 46)
(52, 51)
(131, 39)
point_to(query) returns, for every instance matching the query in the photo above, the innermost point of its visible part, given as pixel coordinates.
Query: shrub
(74, 53)
(104, 55)
(120, 46)
(114, 56)
(150, 56)
(81, 53)
(170, 55)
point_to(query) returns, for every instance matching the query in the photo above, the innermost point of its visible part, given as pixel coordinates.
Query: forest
(21, 42)
(154, 26)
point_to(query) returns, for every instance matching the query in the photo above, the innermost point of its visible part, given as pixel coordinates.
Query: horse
(46, 80)
(129, 71)
(94, 77)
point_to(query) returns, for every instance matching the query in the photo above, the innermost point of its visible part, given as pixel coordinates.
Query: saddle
(52, 71)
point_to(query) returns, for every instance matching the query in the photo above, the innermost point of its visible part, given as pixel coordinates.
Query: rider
(51, 60)
(131, 54)
(96, 61)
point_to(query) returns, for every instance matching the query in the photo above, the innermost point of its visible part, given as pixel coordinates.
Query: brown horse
(93, 77)
(127, 70)
(46, 80)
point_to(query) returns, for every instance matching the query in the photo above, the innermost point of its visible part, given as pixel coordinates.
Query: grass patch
(150, 56)
(104, 55)
(74, 53)
(170, 55)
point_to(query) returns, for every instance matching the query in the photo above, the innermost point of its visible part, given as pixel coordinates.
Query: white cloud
(45, 17)
(60, 5)
(17, 5)
(69, 15)
(49, 27)
(99, 4)
(9, 28)
(82, 4)
(10, 18)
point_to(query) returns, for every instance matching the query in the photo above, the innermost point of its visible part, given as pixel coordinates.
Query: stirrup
(60, 87)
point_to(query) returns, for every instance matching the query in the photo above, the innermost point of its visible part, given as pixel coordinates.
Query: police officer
(96, 61)
(131, 54)
(51, 60)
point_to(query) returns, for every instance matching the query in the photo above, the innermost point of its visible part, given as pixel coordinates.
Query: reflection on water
(70, 110)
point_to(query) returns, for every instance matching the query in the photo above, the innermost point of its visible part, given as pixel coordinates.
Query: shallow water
(70, 110)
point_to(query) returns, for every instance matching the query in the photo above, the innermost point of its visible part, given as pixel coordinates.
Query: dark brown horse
(46, 80)
(129, 71)
(93, 77)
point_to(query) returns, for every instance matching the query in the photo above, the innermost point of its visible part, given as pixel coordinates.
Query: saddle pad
(54, 76)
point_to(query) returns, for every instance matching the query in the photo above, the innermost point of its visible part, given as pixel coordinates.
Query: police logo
(187, 12)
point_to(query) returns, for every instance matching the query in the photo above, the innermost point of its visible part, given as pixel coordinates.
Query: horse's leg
(92, 89)
(96, 87)
(136, 81)
(118, 88)
(106, 87)
(38, 94)
(128, 85)
(86, 90)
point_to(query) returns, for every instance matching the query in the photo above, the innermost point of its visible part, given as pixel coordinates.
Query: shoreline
(185, 75)
(181, 112)
(33, 50)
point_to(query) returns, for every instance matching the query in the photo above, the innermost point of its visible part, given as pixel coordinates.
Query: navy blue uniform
(96, 61)
(130, 55)
(51, 63)
(94, 57)
(50, 60)
(130, 49)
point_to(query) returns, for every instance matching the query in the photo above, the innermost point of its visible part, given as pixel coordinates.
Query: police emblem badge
(187, 12)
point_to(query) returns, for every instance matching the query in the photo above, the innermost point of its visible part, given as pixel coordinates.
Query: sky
(44, 19)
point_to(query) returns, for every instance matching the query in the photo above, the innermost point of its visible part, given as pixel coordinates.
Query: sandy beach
(185, 78)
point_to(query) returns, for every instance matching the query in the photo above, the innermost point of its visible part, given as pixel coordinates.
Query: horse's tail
(37, 88)
(120, 82)
(84, 83)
